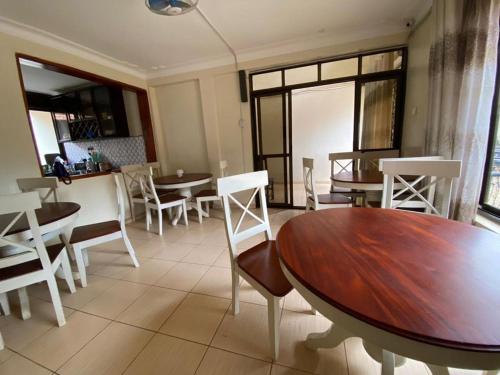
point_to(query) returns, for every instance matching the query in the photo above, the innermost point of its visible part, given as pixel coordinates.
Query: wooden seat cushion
(333, 199)
(168, 198)
(88, 232)
(159, 192)
(348, 192)
(206, 193)
(35, 265)
(262, 264)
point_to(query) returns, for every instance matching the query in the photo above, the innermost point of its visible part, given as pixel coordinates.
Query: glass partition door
(272, 149)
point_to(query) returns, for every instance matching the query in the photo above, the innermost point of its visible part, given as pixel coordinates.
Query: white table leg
(185, 192)
(438, 370)
(331, 338)
(64, 237)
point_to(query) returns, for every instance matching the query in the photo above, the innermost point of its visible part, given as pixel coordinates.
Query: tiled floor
(171, 316)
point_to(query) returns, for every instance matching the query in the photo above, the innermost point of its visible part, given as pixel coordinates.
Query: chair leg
(80, 264)
(160, 222)
(200, 211)
(236, 292)
(273, 319)
(207, 208)
(56, 299)
(4, 303)
(68, 274)
(313, 310)
(148, 218)
(132, 210)
(2, 343)
(185, 213)
(24, 302)
(130, 249)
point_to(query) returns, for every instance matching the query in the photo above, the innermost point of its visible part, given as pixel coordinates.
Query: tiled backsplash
(117, 151)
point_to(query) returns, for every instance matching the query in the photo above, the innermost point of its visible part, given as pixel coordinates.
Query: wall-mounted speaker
(243, 86)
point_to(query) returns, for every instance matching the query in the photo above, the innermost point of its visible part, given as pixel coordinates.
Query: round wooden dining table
(409, 284)
(53, 216)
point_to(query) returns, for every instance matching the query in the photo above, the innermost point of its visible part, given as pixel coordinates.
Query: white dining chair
(49, 185)
(209, 195)
(419, 192)
(259, 265)
(159, 202)
(89, 235)
(155, 168)
(317, 201)
(25, 263)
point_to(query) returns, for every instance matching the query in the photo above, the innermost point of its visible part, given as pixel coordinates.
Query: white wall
(45, 134)
(417, 89)
(183, 131)
(323, 119)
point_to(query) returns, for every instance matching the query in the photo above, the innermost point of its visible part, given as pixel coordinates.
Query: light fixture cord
(236, 65)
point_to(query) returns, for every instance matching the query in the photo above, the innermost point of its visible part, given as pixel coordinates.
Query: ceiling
(37, 79)
(126, 32)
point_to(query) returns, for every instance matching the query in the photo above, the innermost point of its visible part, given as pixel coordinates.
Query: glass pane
(382, 62)
(266, 80)
(492, 196)
(271, 124)
(377, 114)
(275, 191)
(339, 69)
(303, 74)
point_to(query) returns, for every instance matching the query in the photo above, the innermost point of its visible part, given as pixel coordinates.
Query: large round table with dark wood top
(51, 217)
(409, 284)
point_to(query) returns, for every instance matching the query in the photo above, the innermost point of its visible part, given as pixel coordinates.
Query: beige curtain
(462, 68)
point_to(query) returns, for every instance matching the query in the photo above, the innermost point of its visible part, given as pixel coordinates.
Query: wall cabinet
(90, 113)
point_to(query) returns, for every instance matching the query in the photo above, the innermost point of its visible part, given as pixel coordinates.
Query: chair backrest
(121, 202)
(131, 181)
(18, 206)
(223, 166)
(155, 168)
(40, 183)
(309, 183)
(430, 171)
(348, 161)
(148, 191)
(255, 182)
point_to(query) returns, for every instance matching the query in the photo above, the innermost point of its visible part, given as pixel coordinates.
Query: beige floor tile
(100, 258)
(204, 254)
(223, 260)
(114, 300)
(5, 354)
(216, 282)
(152, 308)
(295, 302)
(17, 365)
(165, 355)
(173, 251)
(149, 271)
(96, 285)
(250, 295)
(360, 362)
(412, 367)
(183, 276)
(115, 268)
(245, 333)
(109, 353)
(220, 362)
(197, 318)
(281, 370)
(18, 333)
(59, 344)
(294, 329)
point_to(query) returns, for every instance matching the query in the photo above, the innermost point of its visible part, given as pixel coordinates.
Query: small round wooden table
(370, 180)
(184, 184)
(409, 284)
(51, 217)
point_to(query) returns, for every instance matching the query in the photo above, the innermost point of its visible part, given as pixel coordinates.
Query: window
(490, 195)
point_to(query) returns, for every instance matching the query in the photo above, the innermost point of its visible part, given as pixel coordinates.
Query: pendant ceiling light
(171, 7)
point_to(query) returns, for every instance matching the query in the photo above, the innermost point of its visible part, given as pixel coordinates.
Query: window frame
(493, 211)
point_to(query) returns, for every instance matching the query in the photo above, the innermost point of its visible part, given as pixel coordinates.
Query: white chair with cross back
(317, 201)
(157, 202)
(25, 263)
(89, 235)
(209, 195)
(50, 184)
(419, 192)
(259, 265)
